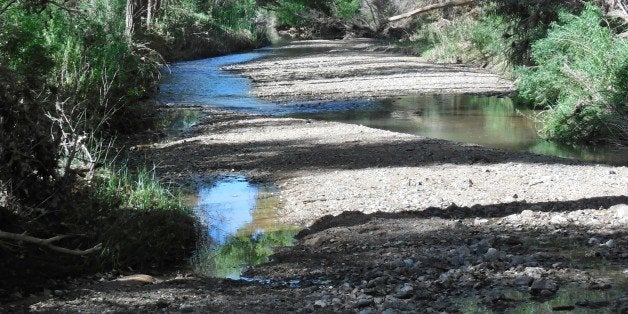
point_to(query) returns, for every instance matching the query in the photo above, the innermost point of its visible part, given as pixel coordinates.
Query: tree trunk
(149, 13)
(128, 30)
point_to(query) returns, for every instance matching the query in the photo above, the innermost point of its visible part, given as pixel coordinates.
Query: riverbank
(542, 226)
(422, 224)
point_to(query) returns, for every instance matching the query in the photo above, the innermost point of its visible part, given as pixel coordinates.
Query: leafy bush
(479, 42)
(346, 9)
(580, 78)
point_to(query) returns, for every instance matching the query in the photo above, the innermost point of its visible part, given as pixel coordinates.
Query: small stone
(593, 241)
(516, 260)
(522, 281)
(558, 220)
(491, 255)
(408, 262)
(404, 291)
(609, 243)
(363, 302)
(320, 303)
(621, 212)
(58, 293)
(480, 221)
(540, 285)
(314, 241)
(186, 308)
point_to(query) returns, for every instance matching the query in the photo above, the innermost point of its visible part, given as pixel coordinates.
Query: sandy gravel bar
(326, 168)
(353, 69)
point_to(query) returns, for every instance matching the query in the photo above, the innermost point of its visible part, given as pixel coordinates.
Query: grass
(144, 223)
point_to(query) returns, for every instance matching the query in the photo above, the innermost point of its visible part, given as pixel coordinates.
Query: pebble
(186, 308)
(491, 255)
(540, 285)
(593, 241)
(320, 303)
(404, 291)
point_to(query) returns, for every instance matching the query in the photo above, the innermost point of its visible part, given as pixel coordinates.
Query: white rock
(621, 212)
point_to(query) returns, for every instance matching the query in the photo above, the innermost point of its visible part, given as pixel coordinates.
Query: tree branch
(6, 6)
(455, 3)
(47, 243)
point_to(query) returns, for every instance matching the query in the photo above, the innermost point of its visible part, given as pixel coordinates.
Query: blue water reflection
(226, 206)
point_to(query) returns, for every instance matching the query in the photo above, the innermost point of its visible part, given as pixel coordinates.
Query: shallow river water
(240, 215)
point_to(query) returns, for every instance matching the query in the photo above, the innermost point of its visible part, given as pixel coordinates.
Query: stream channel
(239, 214)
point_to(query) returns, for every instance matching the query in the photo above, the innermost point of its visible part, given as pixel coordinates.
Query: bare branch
(6, 6)
(455, 3)
(47, 243)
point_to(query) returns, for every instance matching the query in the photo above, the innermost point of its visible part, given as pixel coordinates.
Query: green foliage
(146, 225)
(580, 78)
(236, 14)
(290, 12)
(346, 9)
(468, 40)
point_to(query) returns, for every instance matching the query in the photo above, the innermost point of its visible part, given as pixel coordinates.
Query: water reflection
(489, 121)
(177, 122)
(241, 225)
(570, 298)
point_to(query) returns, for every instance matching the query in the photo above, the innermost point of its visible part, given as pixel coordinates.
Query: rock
(408, 262)
(314, 241)
(186, 308)
(593, 241)
(162, 303)
(459, 255)
(558, 220)
(516, 260)
(540, 285)
(609, 243)
(480, 221)
(404, 291)
(494, 296)
(482, 246)
(363, 301)
(522, 281)
(320, 303)
(621, 212)
(491, 255)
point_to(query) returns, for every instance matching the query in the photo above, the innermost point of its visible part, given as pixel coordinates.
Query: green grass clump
(139, 221)
(580, 78)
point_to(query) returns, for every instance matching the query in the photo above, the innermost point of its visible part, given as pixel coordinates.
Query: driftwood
(455, 3)
(48, 243)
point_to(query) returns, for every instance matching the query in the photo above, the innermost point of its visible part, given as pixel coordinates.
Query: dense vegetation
(567, 58)
(73, 75)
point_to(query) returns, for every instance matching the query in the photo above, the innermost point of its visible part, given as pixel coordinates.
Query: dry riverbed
(392, 222)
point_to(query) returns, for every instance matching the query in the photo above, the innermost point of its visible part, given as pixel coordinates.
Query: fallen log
(48, 243)
(455, 3)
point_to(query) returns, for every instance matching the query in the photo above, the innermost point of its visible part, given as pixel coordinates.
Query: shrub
(580, 78)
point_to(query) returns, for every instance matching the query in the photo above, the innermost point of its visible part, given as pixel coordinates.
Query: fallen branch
(455, 3)
(47, 243)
